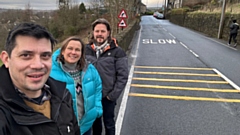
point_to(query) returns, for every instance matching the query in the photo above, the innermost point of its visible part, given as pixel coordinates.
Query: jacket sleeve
(121, 66)
(98, 91)
(231, 26)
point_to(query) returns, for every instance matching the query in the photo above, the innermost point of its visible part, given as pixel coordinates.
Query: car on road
(158, 15)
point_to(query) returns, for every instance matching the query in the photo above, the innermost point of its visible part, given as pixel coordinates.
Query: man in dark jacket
(111, 62)
(31, 103)
(233, 32)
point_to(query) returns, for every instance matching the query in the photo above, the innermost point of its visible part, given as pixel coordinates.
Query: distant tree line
(69, 19)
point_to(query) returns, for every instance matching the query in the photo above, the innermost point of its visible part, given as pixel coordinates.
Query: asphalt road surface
(181, 82)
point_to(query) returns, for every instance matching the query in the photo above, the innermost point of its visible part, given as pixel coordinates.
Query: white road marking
(226, 79)
(172, 35)
(126, 92)
(196, 55)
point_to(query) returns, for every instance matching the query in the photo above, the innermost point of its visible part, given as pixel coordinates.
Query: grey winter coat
(112, 66)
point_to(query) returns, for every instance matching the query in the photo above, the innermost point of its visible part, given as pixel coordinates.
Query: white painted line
(184, 45)
(196, 55)
(164, 29)
(226, 79)
(172, 35)
(123, 105)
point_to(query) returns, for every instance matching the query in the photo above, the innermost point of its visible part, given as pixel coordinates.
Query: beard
(99, 40)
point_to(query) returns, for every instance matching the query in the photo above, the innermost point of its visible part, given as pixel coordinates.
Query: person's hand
(108, 98)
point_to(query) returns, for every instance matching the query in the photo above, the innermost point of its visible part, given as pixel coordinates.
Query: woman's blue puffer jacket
(91, 89)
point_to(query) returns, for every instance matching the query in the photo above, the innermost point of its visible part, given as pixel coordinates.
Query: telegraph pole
(165, 8)
(222, 19)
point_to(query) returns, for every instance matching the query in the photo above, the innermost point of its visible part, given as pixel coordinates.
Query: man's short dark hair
(234, 21)
(27, 29)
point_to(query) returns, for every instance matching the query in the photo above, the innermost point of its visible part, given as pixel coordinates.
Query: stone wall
(207, 23)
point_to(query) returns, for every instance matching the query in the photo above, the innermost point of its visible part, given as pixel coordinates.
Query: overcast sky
(34, 4)
(52, 4)
(153, 3)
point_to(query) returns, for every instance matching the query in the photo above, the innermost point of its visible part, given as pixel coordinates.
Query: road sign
(122, 23)
(123, 14)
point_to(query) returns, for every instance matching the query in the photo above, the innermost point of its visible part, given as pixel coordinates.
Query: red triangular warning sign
(123, 14)
(122, 23)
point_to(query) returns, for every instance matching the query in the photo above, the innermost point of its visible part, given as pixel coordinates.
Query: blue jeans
(108, 119)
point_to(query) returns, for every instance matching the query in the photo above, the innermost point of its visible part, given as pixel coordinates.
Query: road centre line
(180, 80)
(226, 79)
(182, 68)
(185, 88)
(185, 98)
(172, 35)
(179, 74)
(184, 45)
(195, 54)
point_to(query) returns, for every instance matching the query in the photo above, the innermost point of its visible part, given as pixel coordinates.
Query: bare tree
(113, 8)
(63, 4)
(26, 17)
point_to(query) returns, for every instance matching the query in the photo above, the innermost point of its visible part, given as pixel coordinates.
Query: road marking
(182, 68)
(228, 80)
(159, 41)
(184, 45)
(195, 54)
(185, 88)
(178, 74)
(185, 98)
(123, 104)
(172, 35)
(181, 80)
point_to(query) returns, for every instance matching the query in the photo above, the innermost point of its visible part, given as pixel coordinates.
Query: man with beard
(111, 62)
(31, 103)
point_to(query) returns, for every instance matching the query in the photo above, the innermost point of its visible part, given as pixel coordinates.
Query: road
(181, 82)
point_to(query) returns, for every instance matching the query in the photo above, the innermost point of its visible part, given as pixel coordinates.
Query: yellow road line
(180, 80)
(184, 88)
(182, 68)
(185, 98)
(180, 74)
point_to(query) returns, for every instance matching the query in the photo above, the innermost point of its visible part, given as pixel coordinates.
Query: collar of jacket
(113, 44)
(20, 112)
